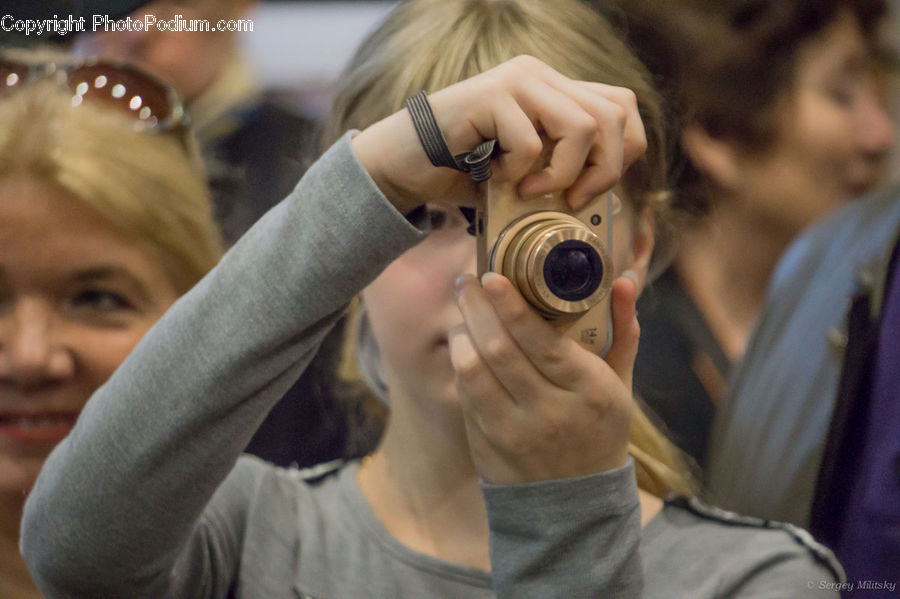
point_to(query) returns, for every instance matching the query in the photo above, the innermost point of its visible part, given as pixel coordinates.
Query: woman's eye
(446, 217)
(437, 217)
(100, 301)
(842, 96)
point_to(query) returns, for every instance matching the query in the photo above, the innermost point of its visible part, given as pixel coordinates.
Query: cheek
(414, 297)
(821, 141)
(98, 352)
(399, 300)
(805, 175)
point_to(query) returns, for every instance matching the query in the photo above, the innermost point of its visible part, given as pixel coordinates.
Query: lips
(36, 428)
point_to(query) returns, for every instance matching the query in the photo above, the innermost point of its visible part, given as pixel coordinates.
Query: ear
(641, 250)
(715, 158)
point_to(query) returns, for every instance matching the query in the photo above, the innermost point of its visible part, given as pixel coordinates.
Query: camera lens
(556, 262)
(573, 270)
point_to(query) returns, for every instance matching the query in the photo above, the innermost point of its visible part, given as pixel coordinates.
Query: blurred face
(75, 297)
(412, 304)
(189, 60)
(833, 136)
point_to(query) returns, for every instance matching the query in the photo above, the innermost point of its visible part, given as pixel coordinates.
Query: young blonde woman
(101, 228)
(505, 467)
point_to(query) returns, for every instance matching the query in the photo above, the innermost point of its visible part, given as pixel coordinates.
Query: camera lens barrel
(558, 264)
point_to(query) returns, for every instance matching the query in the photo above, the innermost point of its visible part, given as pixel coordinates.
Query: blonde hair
(145, 184)
(430, 44)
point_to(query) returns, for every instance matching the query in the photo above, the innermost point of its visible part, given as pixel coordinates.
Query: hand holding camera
(536, 404)
(596, 129)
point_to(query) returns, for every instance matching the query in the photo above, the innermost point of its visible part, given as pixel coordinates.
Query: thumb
(626, 330)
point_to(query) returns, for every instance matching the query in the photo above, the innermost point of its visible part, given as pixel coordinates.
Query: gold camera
(559, 260)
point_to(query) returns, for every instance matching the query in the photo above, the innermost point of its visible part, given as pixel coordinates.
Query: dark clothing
(856, 509)
(257, 163)
(674, 338)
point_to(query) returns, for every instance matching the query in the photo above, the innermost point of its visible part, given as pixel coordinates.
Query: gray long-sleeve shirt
(147, 496)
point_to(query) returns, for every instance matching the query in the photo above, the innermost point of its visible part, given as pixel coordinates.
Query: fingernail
(462, 352)
(462, 281)
(633, 276)
(489, 276)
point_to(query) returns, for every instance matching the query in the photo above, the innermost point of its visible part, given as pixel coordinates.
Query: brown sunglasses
(150, 102)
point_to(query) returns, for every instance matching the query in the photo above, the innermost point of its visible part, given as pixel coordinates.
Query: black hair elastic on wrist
(477, 162)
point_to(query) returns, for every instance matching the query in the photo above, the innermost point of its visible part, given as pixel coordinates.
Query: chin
(17, 475)
(439, 389)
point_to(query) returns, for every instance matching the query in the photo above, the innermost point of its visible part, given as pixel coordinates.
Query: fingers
(595, 126)
(542, 430)
(510, 335)
(599, 129)
(619, 137)
(518, 133)
(587, 157)
(635, 136)
(574, 131)
(475, 380)
(626, 330)
(552, 354)
(596, 130)
(499, 351)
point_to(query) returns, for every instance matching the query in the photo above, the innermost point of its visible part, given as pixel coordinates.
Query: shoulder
(781, 536)
(273, 502)
(714, 552)
(255, 484)
(252, 471)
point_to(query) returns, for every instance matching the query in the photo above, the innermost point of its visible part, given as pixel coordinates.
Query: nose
(31, 353)
(875, 128)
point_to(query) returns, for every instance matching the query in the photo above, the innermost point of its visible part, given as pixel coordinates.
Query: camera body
(560, 260)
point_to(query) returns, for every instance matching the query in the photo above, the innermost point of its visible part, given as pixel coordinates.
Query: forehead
(33, 209)
(46, 231)
(838, 47)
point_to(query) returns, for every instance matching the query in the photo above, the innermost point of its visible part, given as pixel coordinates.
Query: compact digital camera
(558, 259)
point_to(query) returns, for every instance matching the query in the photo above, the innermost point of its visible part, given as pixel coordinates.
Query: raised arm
(119, 496)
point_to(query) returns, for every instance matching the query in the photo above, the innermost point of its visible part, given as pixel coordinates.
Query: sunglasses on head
(151, 103)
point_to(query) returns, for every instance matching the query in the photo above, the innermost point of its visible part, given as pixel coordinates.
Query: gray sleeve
(119, 498)
(208, 563)
(574, 538)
